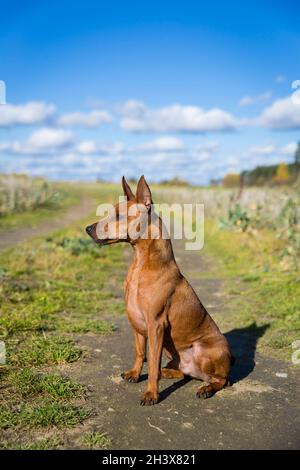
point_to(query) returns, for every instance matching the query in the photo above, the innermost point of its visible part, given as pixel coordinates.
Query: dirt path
(12, 237)
(260, 411)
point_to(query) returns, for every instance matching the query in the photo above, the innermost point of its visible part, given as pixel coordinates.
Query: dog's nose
(89, 229)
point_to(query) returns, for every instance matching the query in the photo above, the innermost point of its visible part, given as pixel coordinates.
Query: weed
(237, 218)
(87, 326)
(37, 351)
(44, 415)
(28, 383)
(48, 443)
(96, 440)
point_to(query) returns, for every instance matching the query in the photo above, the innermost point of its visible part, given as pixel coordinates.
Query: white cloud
(115, 148)
(282, 114)
(176, 118)
(41, 142)
(10, 147)
(55, 142)
(162, 144)
(49, 139)
(273, 149)
(262, 150)
(187, 163)
(92, 119)
(30, 113)
(210, 147)
(202, 154)
(91, 147)
(289, 149)
(264, 154)
(87, 146)
(246, 101)
(249, 100)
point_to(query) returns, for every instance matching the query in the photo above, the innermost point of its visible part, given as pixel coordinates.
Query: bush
(237, 218)
(19, 193)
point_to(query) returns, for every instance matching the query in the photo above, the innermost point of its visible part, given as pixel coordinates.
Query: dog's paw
(205, 392)
(149, 398)
(130, 376)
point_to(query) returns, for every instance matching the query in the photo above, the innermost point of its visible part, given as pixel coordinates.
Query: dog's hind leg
(215, 384)
(171, 370)
(215, 373)
(140, 343)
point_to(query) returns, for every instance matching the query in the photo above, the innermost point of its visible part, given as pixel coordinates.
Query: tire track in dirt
(14, 236)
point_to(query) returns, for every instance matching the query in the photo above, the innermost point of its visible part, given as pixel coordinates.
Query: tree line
(283, 173)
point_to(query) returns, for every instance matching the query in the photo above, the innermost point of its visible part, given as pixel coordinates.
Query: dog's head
(129, 220)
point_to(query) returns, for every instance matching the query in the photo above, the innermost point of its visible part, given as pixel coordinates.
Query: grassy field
(62, 196)
(52, 291)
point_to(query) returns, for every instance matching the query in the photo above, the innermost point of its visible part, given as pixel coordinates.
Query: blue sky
(193, 89)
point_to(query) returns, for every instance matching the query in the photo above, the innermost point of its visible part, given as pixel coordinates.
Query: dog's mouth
(108, 241)
(91, 231)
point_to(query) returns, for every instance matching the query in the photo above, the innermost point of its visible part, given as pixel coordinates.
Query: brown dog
(162, 306)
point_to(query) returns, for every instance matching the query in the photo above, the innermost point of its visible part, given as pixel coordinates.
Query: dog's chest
(134, 304)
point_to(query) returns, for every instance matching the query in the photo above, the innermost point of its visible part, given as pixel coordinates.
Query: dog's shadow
(242, 342)
(163, 394)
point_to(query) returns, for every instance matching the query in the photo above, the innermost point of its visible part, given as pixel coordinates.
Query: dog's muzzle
(89, 230)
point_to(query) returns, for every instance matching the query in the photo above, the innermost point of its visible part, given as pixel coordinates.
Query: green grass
(45, 283)
(96, 440)
(53, 414)
(87, 326)
(28, 383)
(44, 415)
(61, 283)
(40, 444)
(37, 351)
(52, 290)
(33, 399)
(260, 290)
(69, 196)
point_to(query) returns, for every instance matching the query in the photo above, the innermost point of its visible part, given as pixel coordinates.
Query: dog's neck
(153, 253)
(156, 251)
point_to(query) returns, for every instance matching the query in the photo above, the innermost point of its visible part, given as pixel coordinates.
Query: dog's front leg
(155, 339)
(140, 343)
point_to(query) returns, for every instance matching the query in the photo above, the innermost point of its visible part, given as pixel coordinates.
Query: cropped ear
(126, 188)
(143, 193)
